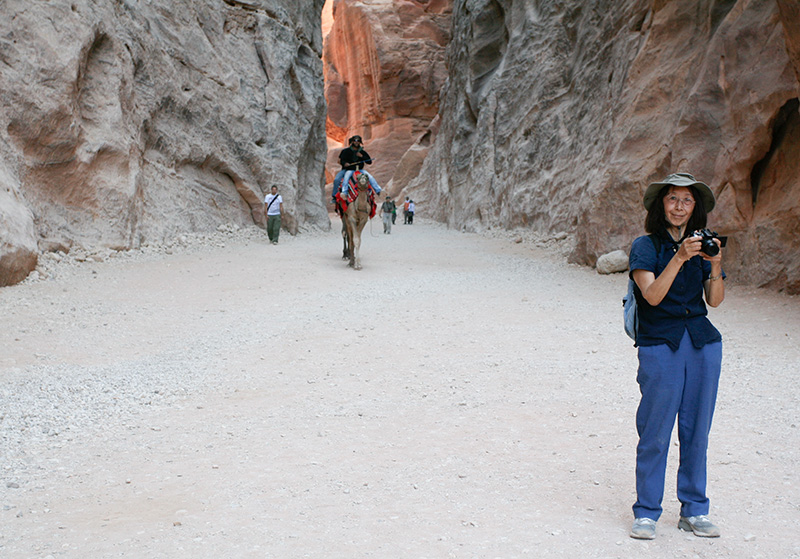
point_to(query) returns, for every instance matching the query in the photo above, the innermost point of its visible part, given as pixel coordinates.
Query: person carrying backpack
(679, 350)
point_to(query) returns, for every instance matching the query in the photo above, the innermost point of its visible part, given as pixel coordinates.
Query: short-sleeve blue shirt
(683, 307)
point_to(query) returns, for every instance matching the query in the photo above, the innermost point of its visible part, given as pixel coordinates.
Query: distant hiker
(405, 211)
(387, 210)
(411, 209)
(273, 208)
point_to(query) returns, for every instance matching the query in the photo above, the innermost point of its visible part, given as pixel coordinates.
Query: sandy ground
(461, 396)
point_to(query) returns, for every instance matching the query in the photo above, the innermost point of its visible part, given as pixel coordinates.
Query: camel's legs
(356, 259)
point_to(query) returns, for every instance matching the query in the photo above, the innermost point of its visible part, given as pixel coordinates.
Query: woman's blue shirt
(683, 307)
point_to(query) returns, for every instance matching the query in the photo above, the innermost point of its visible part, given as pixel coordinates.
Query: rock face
(384, 69)
(129, 122)
(556, 116)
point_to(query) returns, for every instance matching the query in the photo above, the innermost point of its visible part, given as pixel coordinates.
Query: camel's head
(362, 180)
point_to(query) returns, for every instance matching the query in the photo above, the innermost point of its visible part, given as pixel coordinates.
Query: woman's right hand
(689, 248)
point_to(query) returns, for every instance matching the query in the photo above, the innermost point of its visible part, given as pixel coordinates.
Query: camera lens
(709, 247)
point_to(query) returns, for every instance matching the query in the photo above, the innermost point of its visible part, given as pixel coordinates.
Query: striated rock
(613, 262)
(128, 122)
(18, 250)
(384, 68)
(560, 114)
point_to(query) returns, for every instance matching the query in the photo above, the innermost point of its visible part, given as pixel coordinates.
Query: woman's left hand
(714, 259)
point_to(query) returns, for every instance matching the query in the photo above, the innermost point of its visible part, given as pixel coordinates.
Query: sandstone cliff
(384, 69)
(127, 122)
(556, 116)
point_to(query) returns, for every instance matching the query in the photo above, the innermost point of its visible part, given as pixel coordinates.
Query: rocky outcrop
(384, 69)
(126, 122)
(18, 251)
(557, 116)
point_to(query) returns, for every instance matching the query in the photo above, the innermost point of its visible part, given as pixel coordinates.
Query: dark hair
(656, 220)
(353, 139)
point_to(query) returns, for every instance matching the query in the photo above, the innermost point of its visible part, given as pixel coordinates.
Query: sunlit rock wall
(127, 122)
(556, 116)
(384, 69)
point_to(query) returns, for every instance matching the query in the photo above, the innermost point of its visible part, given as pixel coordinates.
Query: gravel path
(462, 396)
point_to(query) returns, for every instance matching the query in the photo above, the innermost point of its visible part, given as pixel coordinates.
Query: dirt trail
(461, 396)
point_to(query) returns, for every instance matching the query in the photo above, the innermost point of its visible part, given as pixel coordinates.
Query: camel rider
(353, 158)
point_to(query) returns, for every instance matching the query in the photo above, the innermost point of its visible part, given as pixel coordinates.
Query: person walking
(411, 209)
(405, 212)
(273, 208)
(387, 210)
(679, 350)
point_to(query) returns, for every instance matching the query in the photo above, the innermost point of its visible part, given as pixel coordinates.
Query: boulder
(18, 251)
(613, 262)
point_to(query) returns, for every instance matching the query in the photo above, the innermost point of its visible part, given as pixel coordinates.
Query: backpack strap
(656, 242)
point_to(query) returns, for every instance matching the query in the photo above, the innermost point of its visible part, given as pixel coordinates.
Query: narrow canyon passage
(462, 396)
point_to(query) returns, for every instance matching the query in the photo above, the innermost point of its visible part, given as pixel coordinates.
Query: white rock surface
(126, 123)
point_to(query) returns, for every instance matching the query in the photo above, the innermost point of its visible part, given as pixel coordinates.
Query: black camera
(707, 244)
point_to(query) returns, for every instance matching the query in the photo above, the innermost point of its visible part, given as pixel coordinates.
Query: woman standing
(680, 351)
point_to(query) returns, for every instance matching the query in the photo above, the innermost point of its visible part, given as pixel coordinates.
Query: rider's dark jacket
(349, 155)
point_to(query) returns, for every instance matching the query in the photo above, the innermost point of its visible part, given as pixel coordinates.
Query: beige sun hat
(680, 179)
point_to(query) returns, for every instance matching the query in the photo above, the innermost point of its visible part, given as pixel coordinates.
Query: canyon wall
(556, 116)
(127, 122)
(384, 69)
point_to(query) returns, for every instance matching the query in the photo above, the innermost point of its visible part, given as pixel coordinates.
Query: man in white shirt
(273, 208)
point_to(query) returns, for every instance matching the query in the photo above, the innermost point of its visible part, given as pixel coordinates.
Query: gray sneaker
(643, 529)
(699, 525)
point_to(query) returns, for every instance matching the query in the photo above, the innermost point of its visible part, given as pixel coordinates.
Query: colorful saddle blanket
(352, 194)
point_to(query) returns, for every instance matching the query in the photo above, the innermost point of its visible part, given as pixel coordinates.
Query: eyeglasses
(674, 201)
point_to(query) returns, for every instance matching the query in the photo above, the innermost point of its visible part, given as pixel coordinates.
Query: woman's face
(678, 206)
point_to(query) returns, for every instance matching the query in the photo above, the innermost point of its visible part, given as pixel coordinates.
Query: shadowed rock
(558, 116)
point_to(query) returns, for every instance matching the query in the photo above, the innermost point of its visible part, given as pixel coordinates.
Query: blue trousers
(337, 181)
(342, 174)
(680, 383)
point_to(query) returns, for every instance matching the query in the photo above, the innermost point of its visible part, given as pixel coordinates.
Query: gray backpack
(629, 312)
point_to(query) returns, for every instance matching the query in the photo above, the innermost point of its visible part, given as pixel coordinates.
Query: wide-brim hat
(680, 179)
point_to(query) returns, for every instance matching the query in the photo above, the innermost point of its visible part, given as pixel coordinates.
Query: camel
(354, 218)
